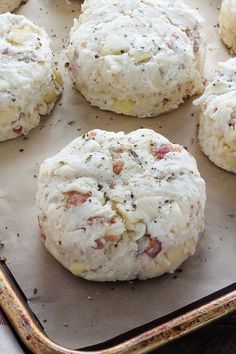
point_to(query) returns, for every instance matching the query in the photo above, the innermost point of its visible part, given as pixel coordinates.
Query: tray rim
(150, 336)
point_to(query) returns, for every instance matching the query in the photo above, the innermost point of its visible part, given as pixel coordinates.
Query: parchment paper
(76, 312)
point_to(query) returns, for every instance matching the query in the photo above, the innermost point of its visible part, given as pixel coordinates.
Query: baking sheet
(75, 312)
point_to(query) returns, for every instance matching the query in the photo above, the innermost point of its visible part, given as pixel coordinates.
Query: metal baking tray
(76, 313)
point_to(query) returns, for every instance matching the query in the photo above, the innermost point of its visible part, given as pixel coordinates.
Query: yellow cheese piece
(123, 106)
(51, 97)
(140, 57)
(76, 268)
(58, 77)
(18, 36)
(8, 115)
(176, 255)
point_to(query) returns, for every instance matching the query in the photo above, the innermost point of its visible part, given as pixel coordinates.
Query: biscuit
(116, 206)
(139, 58)
(227, 24)
(217, 123)
(29, 82)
